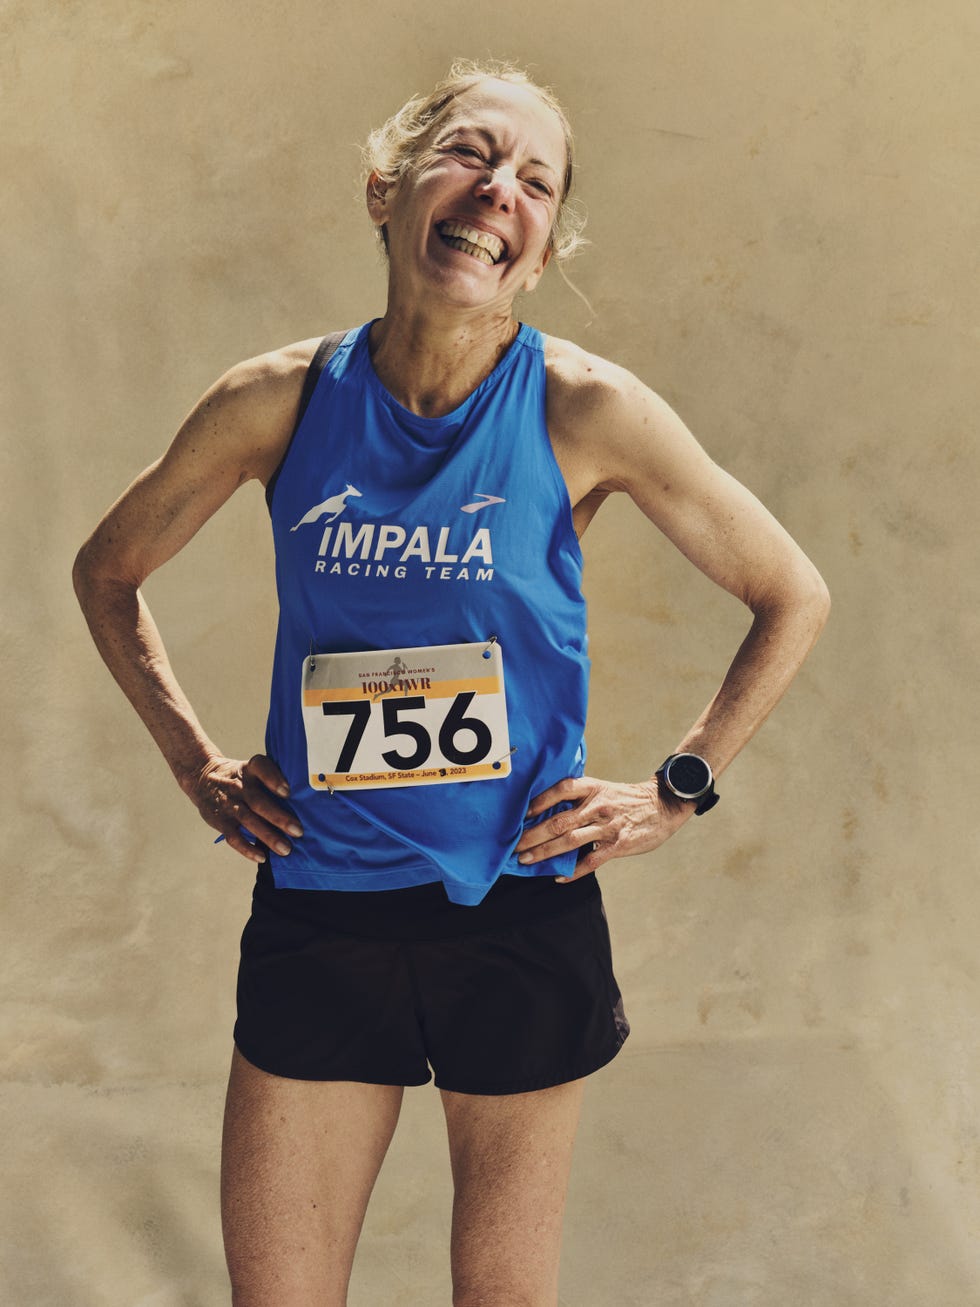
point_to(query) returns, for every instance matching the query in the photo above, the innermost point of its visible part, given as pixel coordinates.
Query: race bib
(429, 716)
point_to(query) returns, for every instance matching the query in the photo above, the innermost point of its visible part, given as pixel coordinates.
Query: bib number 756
(451, 746)
(422, 716)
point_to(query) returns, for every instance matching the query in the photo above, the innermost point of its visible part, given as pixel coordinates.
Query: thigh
(511, 1158)
(299, 1160)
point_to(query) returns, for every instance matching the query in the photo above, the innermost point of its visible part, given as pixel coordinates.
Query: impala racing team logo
(389, 551)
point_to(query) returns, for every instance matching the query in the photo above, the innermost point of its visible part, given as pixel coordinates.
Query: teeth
(472, 236)
(483, 255)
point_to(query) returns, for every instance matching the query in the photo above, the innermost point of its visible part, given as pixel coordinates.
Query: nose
(498, 187)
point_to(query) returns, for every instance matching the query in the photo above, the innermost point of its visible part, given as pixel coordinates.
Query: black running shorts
(515, 994)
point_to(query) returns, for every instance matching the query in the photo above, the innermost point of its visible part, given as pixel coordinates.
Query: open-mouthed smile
(482, 245)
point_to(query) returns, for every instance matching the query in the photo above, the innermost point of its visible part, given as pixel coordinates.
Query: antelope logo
(335, 505)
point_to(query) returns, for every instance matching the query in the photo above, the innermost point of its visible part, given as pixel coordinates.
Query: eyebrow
(492, 140)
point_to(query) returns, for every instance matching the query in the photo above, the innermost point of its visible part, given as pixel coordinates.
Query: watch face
(688, 776)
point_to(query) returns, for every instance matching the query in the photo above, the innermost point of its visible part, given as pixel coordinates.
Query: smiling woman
(396, 146)
(427, 840)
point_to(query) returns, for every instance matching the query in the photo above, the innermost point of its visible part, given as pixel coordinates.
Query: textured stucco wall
(784, 209)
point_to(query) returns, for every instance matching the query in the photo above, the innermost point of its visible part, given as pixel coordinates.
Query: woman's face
(472, 220)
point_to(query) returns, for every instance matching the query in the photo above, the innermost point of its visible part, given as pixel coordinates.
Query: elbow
(816, 596)
(81, 572)
(824, 600)
(92, 572)
(810, 601)
(801, 595)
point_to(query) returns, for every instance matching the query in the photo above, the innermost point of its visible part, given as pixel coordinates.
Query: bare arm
(626, 438)
(237, 432)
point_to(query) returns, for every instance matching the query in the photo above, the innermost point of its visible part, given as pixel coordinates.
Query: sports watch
(689, 777)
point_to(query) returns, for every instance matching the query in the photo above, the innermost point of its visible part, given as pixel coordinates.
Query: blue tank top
(374, 551)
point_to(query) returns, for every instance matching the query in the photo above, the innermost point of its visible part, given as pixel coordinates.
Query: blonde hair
(392, 149)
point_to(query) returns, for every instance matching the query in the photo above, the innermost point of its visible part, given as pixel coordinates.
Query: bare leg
(511, 1158)
(299, 1161)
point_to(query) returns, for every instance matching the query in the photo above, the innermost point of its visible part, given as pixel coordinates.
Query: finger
(237, 821)
(573, 839)
(267, 834)
(555, 827)
(579, 873)
(552, 828)
(261, 802)
(262, 767)
(588, 863)
(565, 791)
(237, 841)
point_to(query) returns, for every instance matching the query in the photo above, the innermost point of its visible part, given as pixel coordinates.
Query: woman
(426, 839)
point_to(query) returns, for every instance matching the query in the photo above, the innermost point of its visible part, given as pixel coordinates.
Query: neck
(429, 362)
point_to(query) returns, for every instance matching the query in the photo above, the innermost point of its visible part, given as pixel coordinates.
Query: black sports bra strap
(318, 362)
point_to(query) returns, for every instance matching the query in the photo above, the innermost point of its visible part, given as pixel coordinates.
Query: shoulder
(576, 377)
(252, 407)
(600, 415)
(269, 377)
(585, 389)
(236, 432)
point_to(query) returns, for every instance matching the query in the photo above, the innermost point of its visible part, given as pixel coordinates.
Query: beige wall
(783, 205)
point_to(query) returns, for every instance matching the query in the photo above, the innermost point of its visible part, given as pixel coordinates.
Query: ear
(376, 195)
(534, 277)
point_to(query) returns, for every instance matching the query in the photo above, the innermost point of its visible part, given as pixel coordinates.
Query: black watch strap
(705, 799)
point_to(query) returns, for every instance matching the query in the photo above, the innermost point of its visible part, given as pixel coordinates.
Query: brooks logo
(482, 501)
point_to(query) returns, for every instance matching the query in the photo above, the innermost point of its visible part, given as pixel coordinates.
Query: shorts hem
(359, 1076)
(537, 1082)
